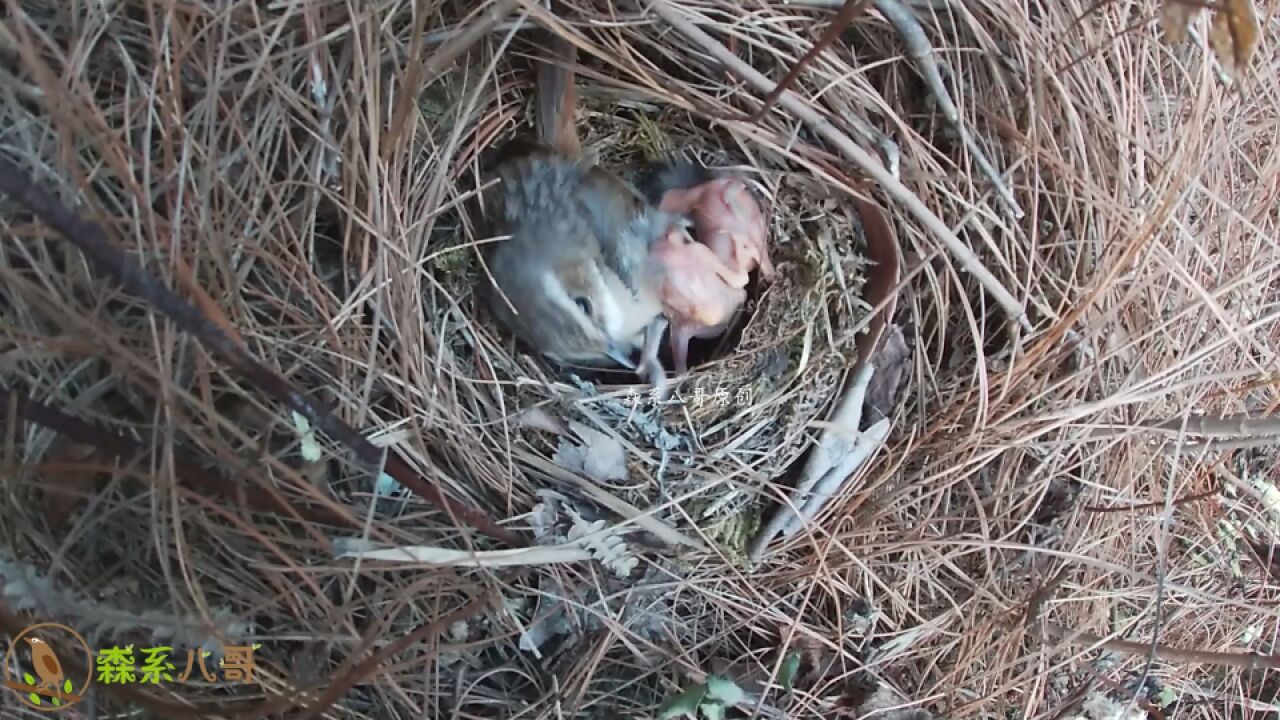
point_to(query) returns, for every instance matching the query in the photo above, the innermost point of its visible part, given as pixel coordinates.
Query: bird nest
(251, 397)
(741, 416)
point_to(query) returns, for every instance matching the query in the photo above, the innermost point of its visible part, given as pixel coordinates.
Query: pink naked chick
(729, 221)
(699, 293)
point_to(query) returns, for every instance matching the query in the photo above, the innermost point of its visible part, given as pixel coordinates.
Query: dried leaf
(748, 674)
(1234, 36)
(542, 629)
(1175, 19)
(542, 520)
(891, 362)
(600, 457)
(1100, 707)
(536, 418)
(870, 697)
(627, 511)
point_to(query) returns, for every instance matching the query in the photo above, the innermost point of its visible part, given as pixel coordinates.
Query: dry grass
(325, 229)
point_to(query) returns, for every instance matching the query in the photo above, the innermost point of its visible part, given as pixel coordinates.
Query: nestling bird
(705, 280)
(700, 294)
(48, 668)
(575, 279)
(729, 220)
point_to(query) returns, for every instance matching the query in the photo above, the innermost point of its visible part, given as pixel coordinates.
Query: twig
(848, 12)
(1142, 507)
(93, 242)
(327, 158)
(1247, 661)
(921, 52)
(1238, 425)
(43, 692)
(966, 257)
(466, 37)
(1046, 630)
(432, 555)
(1220, 445)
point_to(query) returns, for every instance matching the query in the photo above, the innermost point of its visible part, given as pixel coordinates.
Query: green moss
(731, 530)
(650, 139)
(454, 261)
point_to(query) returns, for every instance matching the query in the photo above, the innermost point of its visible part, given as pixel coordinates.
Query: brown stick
(848, 12)
(1246, 661)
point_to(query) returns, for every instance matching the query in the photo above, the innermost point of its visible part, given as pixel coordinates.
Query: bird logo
(45, 686)
(46, 662)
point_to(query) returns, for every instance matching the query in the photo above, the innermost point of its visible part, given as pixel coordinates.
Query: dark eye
(584, 305)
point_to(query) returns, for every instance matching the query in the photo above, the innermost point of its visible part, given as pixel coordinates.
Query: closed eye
(584, 305)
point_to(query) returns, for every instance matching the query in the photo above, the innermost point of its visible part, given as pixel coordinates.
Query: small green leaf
(711, 710)
(686, 703)
(34, 698)
(56, 701)
(725, 690)
(29, 678)
(787, 673)
(1165, 698)
(66, 686)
